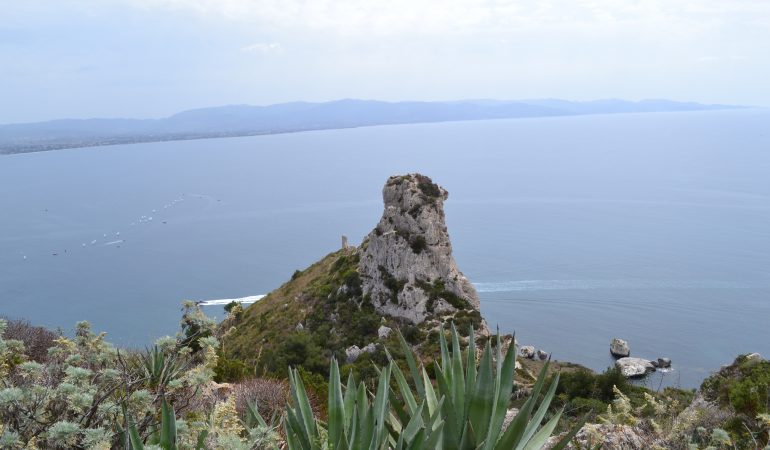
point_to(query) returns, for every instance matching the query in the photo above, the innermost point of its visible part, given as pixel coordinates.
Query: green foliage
(583, 383)
(395, 285)
(744, 386)
(428, 187)
(195, 326)
(418, 244)
(228, 369)
(465, 410)
(87, 394)
(437, 290)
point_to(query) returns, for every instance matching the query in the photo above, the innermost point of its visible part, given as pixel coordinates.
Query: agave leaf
(435, 440)
(469, 437)
(295, 429)
(507, 369)
(537, 418)
(483, 396)
(539, 439)
(400, 445)
(380, 409)
(253, 417)
(167, 427)
(430, 394)
(293, 439)
(453, 431)
(436, 417)
(403, 387)
(418, 440)
(133, 436)
(201, 442)
(398, 407)
(445, 362)
(470, 377)
(302, 405)
(515, 431)
(564, 441)
(350, 396)
(412, 365)
(415, 424)
(458, 378)
(336, 406)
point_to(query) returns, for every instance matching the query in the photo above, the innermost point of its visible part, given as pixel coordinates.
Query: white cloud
(262, 47)
(377, 17)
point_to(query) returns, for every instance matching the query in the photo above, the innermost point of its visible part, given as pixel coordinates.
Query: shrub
(36, 340)
(418, 244)
(269, 395)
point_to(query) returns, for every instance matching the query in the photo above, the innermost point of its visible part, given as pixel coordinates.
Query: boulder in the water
(634, 367)
(664, 363)
(619, 348)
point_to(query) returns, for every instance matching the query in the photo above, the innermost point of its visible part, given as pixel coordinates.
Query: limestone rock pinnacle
(406, 263)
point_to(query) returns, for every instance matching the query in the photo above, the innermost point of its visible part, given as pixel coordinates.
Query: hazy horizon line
(343, 99)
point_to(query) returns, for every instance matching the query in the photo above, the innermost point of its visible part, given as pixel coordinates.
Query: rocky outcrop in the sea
(406, 262)
(634, 367)
(619, 348)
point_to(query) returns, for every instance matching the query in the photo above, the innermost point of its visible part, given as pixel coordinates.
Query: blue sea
(650, 227)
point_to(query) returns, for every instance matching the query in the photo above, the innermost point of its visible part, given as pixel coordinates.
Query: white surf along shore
(225, 301)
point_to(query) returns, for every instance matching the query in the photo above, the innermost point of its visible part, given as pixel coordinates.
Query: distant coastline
(247, 120)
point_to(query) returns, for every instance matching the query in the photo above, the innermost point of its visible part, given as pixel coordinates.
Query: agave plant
(166, 438)
(465, 411)
(161, 367)
(475, 396)
(354, 421)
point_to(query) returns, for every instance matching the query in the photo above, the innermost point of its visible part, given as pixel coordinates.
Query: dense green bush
(744, 387)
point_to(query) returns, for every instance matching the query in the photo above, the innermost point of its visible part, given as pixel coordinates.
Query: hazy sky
(151, 58)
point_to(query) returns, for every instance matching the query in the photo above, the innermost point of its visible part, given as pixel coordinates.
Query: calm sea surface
(650, 227)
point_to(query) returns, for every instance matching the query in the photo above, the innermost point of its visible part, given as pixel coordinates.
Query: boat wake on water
(555, 285)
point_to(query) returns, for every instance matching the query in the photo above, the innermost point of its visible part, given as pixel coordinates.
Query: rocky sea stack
(406, 262)
(402, 276)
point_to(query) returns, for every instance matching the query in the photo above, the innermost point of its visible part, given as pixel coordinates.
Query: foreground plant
(466, 411)
(86, 393)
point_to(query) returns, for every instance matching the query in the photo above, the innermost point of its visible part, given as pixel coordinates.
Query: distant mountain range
(247, 120)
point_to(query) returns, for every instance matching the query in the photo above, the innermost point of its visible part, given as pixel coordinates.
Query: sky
(152, 58)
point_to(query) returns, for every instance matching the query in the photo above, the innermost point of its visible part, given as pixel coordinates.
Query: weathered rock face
(406, 263)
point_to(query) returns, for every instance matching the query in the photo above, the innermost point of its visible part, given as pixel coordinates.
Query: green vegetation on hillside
(317, 315)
